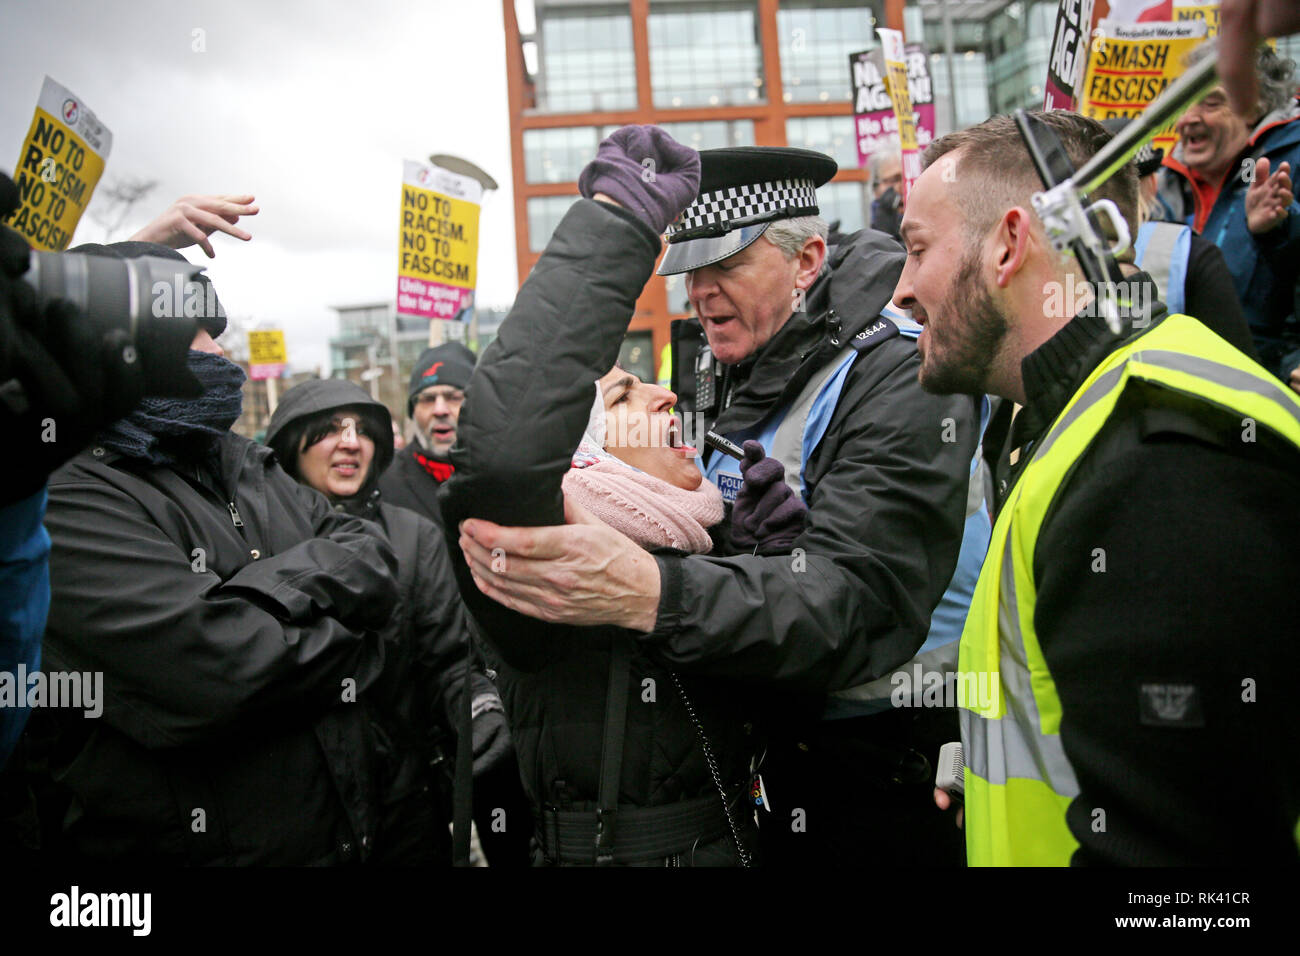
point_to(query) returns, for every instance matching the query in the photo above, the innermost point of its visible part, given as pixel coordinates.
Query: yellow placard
(1129, 65)
(59, 166)
(1208, 12)
(439, 237)
(438, 242)
(267, 348)
(895, 76)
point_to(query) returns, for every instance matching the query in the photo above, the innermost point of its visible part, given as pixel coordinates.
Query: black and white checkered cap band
(740, 202)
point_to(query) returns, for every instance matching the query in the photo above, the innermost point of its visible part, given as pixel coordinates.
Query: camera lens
(150, 301)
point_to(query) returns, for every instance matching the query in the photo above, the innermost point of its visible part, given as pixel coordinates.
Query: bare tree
(235, 339)
(115, 201)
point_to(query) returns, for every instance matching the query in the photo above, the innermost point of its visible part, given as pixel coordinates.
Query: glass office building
(739, 73)
(712, 72)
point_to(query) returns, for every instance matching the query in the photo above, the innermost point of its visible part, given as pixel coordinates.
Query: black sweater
(1196, 530)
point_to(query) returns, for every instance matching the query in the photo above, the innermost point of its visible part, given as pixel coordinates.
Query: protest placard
(1130, 64)
(1163, 11)
(875, 124)
(895, 75)
(1199, 10)
(438, 242)
(58, 168)
(267, 356)
(1068, 55)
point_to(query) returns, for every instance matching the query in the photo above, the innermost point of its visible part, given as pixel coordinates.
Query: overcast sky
(310, 106)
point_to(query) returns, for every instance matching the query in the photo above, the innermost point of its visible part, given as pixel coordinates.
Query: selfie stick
(1074, 224)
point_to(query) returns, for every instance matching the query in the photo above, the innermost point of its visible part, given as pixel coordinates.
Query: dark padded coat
(228, 655)
(524, 414)
(887, 504)
(406, 484)
(417, 698)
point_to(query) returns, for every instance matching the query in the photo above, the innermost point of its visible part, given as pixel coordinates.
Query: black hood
(304, 402)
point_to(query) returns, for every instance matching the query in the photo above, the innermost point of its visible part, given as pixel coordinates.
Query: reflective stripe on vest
(1163, 249)
(1019, 781)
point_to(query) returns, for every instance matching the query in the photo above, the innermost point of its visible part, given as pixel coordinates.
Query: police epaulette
(875, 333)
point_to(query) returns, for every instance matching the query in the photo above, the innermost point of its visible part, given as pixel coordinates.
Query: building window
(816, 38)
(1289, 47)
(707, 55)
(637, 355)
(832, 135)
(675, 286)
(557, 155)
(586, 59)
(970, 77)
(712, 134)
(843, 202)
(544, 214)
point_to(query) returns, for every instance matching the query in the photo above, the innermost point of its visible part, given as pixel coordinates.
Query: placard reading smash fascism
(58, 168)
(1130, 64)
(438, 247)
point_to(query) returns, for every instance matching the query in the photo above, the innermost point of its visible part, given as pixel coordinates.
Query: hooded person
(435, 395)
(331, 435)
(238, 623)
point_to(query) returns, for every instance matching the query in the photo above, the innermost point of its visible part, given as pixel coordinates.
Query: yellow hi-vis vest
(1018, 779)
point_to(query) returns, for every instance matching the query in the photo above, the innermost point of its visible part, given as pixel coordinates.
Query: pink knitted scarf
(649, 510)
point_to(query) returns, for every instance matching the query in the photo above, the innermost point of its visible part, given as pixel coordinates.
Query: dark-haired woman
(331, 435)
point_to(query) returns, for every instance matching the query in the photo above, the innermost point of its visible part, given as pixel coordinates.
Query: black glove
(60, 379)
(489, 733)
(767, 515)
(646, 171)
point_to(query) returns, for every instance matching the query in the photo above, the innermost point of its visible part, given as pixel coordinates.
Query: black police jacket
(887, 502)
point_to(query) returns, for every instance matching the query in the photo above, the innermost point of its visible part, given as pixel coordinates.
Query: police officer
(801, 357)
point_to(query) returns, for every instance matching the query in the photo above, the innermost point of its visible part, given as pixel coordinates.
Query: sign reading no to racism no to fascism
(267, 356)
(438, 249)
(57, 170)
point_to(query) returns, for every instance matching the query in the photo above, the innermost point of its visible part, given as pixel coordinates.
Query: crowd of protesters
(957, 505)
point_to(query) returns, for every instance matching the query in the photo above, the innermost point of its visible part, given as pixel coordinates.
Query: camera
(129, 301)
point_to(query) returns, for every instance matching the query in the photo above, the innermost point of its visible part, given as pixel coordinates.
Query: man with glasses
(437, 392)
